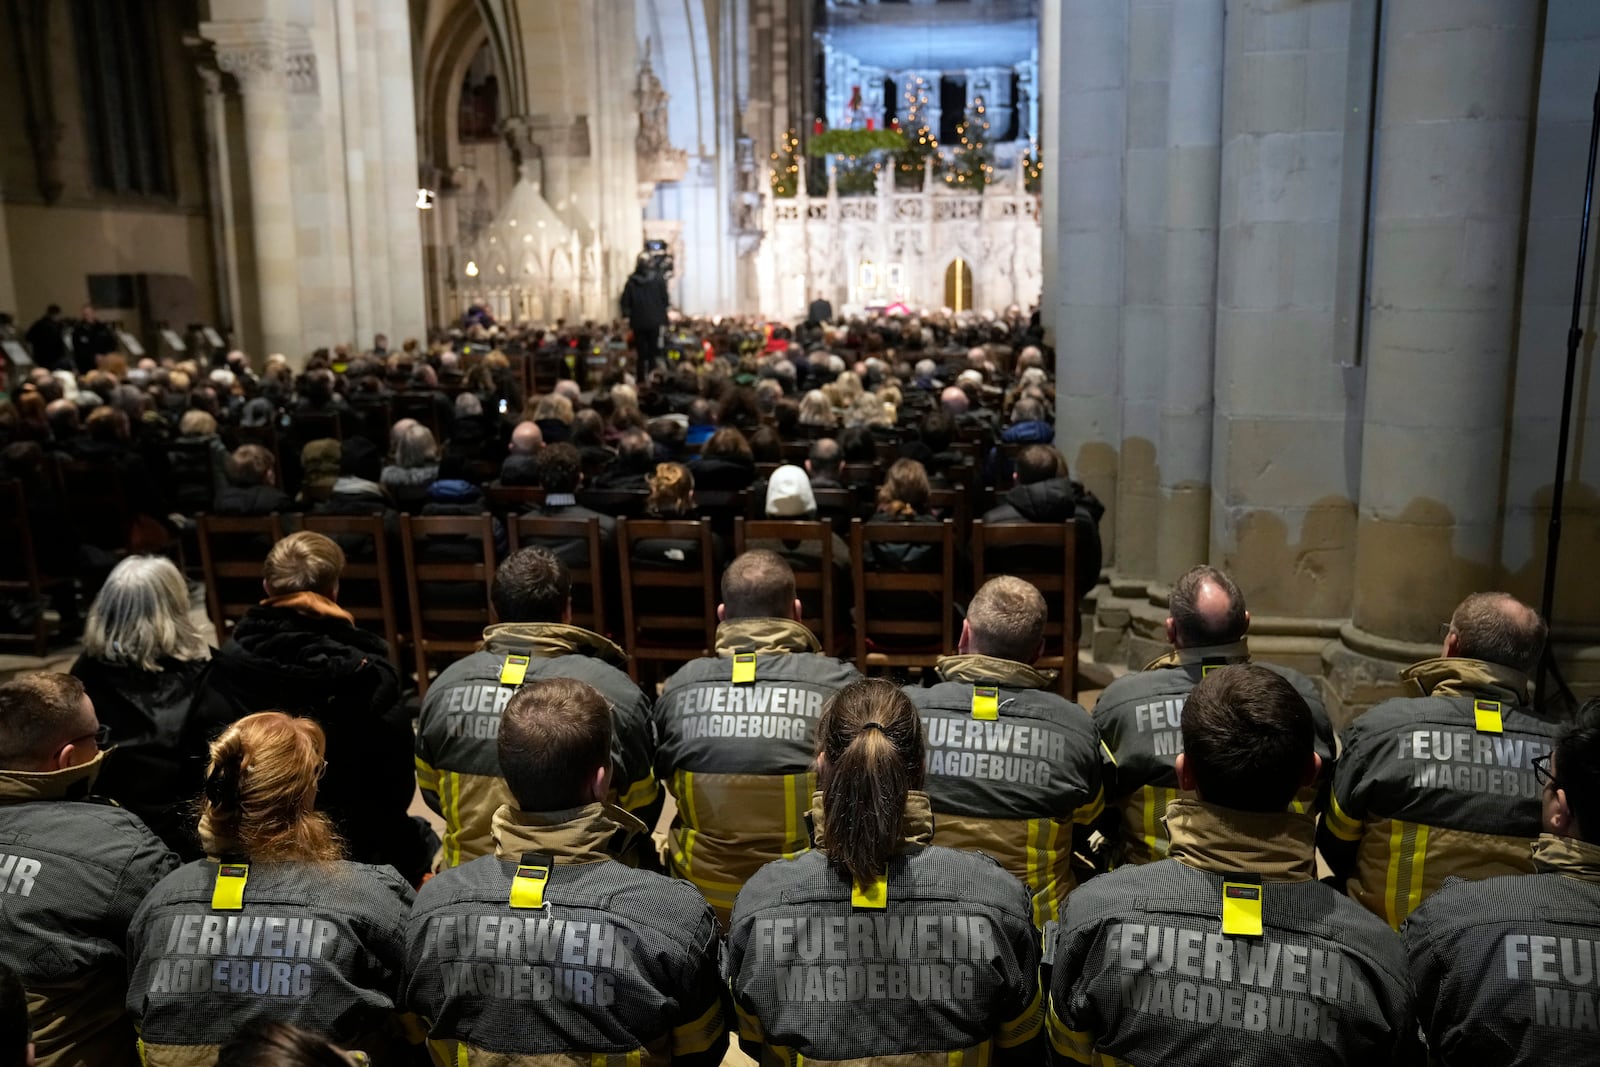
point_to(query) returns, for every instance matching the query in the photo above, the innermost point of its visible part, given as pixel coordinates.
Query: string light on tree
(785, 171)
(972, 164)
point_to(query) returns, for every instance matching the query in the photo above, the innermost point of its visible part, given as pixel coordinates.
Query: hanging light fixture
(472, 268)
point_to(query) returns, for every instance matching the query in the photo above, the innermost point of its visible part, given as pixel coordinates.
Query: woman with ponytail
(878, 944)
(273, 924)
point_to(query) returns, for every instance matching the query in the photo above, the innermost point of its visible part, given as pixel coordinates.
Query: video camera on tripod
(657, 257)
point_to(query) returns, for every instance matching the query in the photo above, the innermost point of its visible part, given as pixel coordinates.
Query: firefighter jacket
(72, 873)
(1012, 768)
(458, 762)
(737, 756)
(597, 963)
(318, 945)
(1437, 785)
(1506, 968)
(1228, 952)
(1140, 717)
(937, 968)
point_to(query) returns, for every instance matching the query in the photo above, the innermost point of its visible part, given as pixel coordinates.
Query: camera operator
(645, 301)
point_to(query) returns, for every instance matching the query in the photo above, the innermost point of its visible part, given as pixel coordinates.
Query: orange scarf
(309, 604)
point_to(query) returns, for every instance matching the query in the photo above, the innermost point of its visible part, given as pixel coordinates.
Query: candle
(816, 127)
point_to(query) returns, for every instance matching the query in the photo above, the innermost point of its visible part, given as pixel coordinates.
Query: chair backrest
(1057, 582)
(371, 418)
(720, 507)
(619, 503)
(232, 551)
(316, 425)
(418, 406)
(451, 614)
(651, 631)
(916, 641)
(953, 503)
(588, 611)
(837, 506)
(366, 587)
(95, 504)
(507, 500)
(817, 583)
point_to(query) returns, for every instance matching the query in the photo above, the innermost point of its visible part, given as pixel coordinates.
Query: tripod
(1547, 663)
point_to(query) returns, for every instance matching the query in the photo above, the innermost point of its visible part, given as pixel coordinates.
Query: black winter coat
(1053, 500)
(147, 771)
(320, 666)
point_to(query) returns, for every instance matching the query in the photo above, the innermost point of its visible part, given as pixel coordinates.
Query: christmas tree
(1032, 168)
(911, 161)
(785, 175)
(972, 164)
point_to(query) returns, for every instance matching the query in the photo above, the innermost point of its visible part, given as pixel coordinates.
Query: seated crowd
(206, 855)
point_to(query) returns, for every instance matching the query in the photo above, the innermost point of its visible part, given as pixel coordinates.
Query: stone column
(403, 272)
(253, 52)
(1194, 159)
(1144, 292)
(365, 273)
(366, 92)
(1083, 122)
(219, 189)
(1447, 225)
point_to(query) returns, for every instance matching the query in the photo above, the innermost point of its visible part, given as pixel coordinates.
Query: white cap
(789, 493)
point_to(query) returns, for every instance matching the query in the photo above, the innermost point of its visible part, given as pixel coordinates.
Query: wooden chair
(953, 504)
(815, 586)
(693, 630)
(95, 505)
(837, 507)
(590, 611)
(21, 578)
(366, 588)
(232, 550)
(507, 500)
(418, 406)
(447, 627)
(316, 425)
(721, 507)
(1057, 585)
(871, 584)
(618, 503)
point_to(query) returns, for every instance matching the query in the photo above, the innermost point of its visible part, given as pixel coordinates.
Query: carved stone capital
(259, 66)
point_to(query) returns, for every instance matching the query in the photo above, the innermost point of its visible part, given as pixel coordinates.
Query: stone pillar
(1282, 460)
(219, 191)
(403, 271)
(1144, 292)
(1194, 160)
(1447, 225)
(367, 93)
(253, 52)
(1083, 115)
(365, 273)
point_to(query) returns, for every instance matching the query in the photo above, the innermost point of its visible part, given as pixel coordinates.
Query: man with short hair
(521, 465)
(251, 487)
(560, 471)
(825, 464)
(1484, 954)
(1441, 784)
(635, 461)
(1022, 803)
(533, 638)
(1044, 492)
(605, 961)
(702, 422)
(1293, 973)
(299, 652)
(72, 872)
(735, 733)
(1139, 713)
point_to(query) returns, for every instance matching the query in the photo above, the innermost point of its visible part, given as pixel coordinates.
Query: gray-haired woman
(142, 658)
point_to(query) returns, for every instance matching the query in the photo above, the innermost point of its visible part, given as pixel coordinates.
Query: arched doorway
(958, 285)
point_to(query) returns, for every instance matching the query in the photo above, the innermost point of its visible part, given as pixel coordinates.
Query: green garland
(843, 142)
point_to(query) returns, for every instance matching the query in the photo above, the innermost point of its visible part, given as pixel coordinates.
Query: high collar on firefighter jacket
(576, 835)
(547, 640)
(1567, 856)
(975, 668)
(1455, 676)
(1233, 652)
(1280, 847)
(916, 822)
(309, 604)
(764, 637)
(74, 783)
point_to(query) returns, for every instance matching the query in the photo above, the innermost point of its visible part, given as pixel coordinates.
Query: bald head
(954, 400)
(1497, 628)
(526, 439)
(1205, 608)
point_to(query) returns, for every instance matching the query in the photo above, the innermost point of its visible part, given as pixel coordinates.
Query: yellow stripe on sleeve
(640, 793)
(1075, 1045)
(1340, 824)
(1026, 1026)
(427, 777)
(1091, 811)
(700, 1034)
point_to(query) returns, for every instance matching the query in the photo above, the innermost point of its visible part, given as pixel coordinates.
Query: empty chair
(904, 577)
(1055, 582)
(664, 563)
(449, 563)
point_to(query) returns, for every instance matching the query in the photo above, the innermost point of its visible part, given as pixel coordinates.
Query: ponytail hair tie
(222, 784)
(871, 726)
